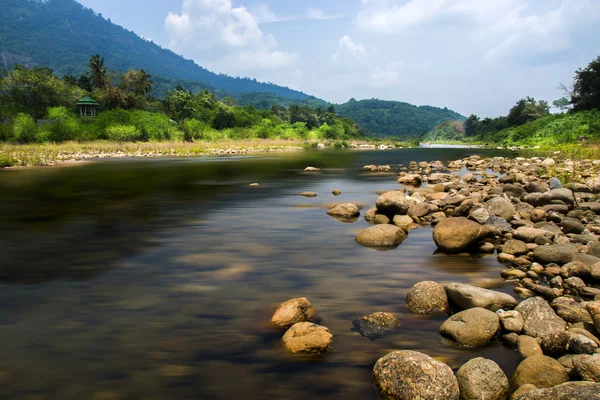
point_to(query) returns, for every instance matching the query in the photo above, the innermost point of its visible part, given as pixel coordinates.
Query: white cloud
(214, 32)
(347, 49)
(315, 13)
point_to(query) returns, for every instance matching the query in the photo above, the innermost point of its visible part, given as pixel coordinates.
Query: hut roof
(87, 101)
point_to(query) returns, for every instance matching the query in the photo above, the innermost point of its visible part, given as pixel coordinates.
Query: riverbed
(156, 279)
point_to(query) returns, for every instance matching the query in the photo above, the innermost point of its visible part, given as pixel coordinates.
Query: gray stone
(376, 325)
(557, 253)
(480, 378)
(468, 296)
(540, 318)
(382, 236)
(412, 375)
(471, 328)
(529, 235)
(393, 203)
(346, 211)
(511, 321)
(566, 391)
(588, 367)
(581, 344)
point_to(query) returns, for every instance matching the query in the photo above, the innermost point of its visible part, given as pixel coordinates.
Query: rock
(336, 192)
(393, 203)
(515, 247)
(482, 379)
(420, 210)
(513, 191)
(308, 194)
(309, 338)
(439, 178)
(557, 253)
(554, 344)
(381, 219)
(566, 391)
(467, 296)
(427, 297)
(480, 215)
(571, 225)
(382, 236)
(523, 389)
(293, 311)
(538, 215)
(540, 318)
(370, 215)
(500, 207)
(403, 222)
(511, 321)
(487, 248)
(346, 211)
(505, 258)
(574, 268)
(588, 367)
(412, 375)
(570, 310)
(554, 183)
(311, 169)
(376, 325)
(528, 346)
(471, 328)
(581, 344)
(510, 340)
(548, 162)
(541, 371)
(537, 186)
(593, 308)
(499, 224)
(454, 235)
(530, 235)
(411, 179)
(254, 185)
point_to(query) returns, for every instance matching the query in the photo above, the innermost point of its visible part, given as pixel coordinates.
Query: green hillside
(62, 34)
(393, 118)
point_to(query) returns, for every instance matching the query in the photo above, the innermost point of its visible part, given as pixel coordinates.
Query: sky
(472, 56)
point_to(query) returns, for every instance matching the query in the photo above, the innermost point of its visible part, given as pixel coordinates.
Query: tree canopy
(586, 90)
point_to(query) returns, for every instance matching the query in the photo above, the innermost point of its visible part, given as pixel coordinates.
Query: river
(156, 279)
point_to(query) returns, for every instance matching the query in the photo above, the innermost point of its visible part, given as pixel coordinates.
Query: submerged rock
(381, 236)
(412, 375)
(308, 194)
(427, 297)
(309, 338)
(376, 325)
(293, 311)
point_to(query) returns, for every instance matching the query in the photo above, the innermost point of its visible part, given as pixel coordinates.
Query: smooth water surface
(156, 279)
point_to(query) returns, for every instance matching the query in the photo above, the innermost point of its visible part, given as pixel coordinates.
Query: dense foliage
(586, 90)
(450, 131)
(61, 34)
(129, 113)
(392, 118)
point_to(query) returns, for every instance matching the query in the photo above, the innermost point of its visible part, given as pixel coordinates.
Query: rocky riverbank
(540, 218)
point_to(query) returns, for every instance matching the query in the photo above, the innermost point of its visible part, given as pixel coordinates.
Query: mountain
(62, 34)
(393, 118)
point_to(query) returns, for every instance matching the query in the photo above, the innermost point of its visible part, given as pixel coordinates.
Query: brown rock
(293, 311)
(306, 337)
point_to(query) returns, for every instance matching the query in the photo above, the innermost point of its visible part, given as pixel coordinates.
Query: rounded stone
(541, 371)
(471, 328)
(454, 235)
(308, 338)
(480, 378)
(293, 311)
(346, 210)
(385, 236)
(427, 297)
(376, 325)
(409, 374)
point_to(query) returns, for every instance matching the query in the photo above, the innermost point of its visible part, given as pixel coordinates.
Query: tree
(562, 104)
(527, 110)
(586, 89)
(70, 80)
(98, 72)
(471, 125)
(137, 82)
(85, 83)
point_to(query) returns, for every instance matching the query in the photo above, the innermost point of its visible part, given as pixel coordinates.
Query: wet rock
(346, 211)
(471, 328)
(487, 248)
(566, 391)
(376, 325)
(467, 296)
(528, 346)
(515, 247)
(500, 207)
(420, 210)
(439, 178)
(480, 215)
(574, 268)
(413, 375)
(393, 203)
(311, 169)
(370, 215)
(453, 235)
(510, 340)
(540, 318)
(554, 344)
(293, 311)
(336, 192)
(581, 344)
(593, 308)
(382, 236)
(570, 310)
(381, 219)
(482, 379)
(511, 321)
(588, 367)
(411, 179)
(403, 222)
(308, 194)
(427, 297)
(541, 371)
(557, 253)
(309, 338)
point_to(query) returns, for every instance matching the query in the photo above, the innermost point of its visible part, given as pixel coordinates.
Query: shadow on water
(157, 279)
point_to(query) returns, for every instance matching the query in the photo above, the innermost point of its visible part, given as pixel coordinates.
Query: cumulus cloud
(214, 32)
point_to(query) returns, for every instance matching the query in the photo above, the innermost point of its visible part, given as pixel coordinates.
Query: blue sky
(473, 56)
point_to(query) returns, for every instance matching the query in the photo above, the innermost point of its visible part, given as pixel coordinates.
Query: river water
(156, 279)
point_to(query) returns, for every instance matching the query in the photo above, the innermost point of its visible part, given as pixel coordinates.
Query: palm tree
(145, 82)
(98, 71)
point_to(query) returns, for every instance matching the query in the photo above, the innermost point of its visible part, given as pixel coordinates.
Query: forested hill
(393, 118)
(62, 34)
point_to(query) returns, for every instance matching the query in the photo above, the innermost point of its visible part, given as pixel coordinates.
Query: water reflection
(156, 280)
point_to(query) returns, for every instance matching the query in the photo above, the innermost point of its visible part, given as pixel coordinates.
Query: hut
(88, 107)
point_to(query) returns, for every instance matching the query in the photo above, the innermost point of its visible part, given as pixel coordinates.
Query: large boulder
(500, 207)
(383, 236)
(393, 203)
(453, 235)
(482, 379)
(468, 296)
(427, 297)
(555, 253)
(293, 311)
(540, 318)
(471, 328)
(376, 325)
(566, 391)
(541, 371)
(308, 338)
(412, 375)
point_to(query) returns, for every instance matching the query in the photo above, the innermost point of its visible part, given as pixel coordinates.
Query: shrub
(265, 129)
(123, 133)
(25, 128)
(194, 130)
(63, 126)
